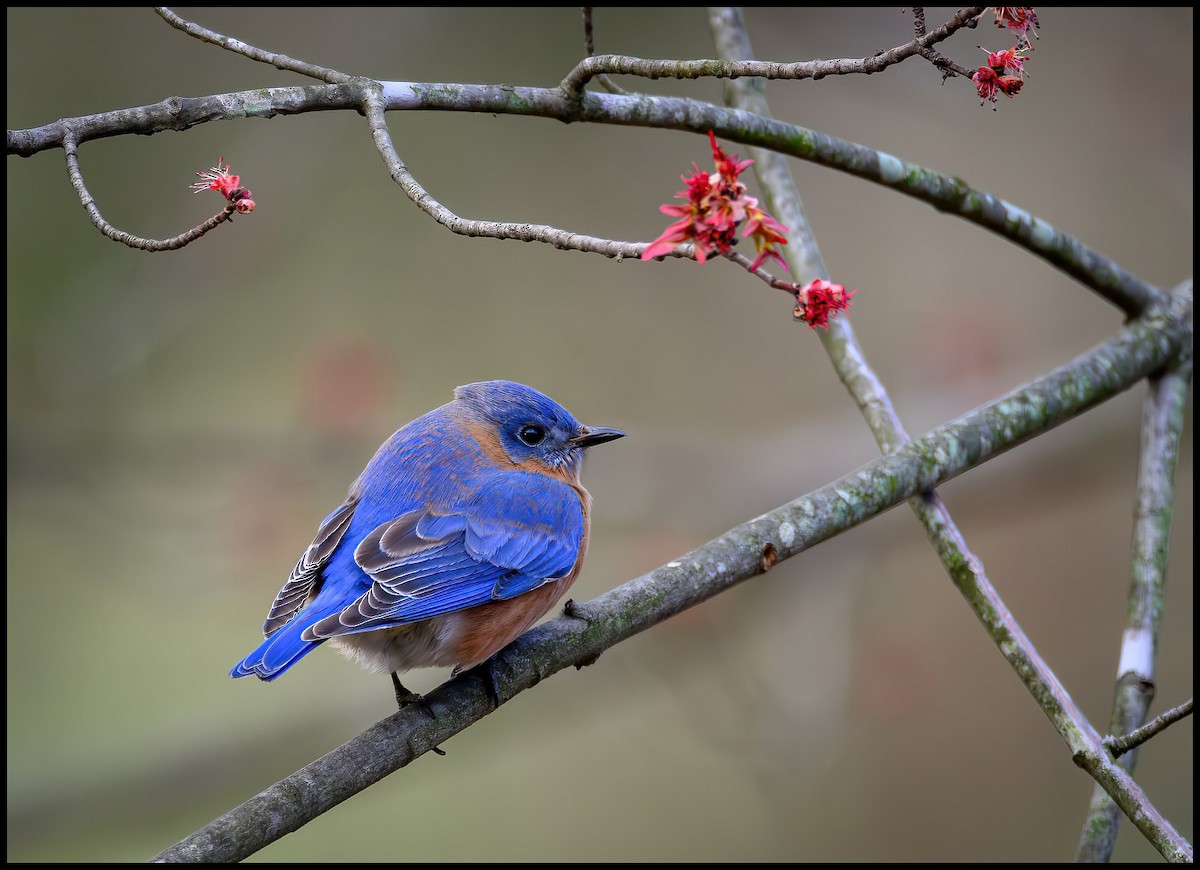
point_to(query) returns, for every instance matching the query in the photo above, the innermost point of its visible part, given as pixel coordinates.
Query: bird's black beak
(590, 436)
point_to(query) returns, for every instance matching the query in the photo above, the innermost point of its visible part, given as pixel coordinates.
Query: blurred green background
(179, 423)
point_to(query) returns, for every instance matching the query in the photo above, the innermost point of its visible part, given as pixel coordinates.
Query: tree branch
(1161, 335)
(965, 569)
(1140, 348)
(1163, 418)
(1128, 292)
(590, 49)
(279, 61)
(151, 245)
(1119, 746)
(614, 64)
(176, 114)
(926, 50)
(561, 239)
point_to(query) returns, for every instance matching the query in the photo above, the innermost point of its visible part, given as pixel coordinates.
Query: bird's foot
(406, 698)
(574, 609)
(491, 680)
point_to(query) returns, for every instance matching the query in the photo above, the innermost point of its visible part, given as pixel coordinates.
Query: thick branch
(1140, 348)
(182, 113)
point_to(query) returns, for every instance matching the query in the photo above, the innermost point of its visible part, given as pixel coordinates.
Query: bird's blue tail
(277, 653)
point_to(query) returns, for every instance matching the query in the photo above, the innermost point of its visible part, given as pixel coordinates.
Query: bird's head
(531, 427)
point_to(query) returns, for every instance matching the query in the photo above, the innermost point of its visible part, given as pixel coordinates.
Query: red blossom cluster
(1004, 74)
(819, 300)
(717, 204)
(228, 185)
(1020, 20)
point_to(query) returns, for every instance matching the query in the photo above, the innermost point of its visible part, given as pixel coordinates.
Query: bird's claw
(406, 698)
(575, 610)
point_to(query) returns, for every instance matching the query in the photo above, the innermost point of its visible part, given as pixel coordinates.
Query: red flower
(767, 233)
(1011, 85)
(986, 81)
(1009, 59)
(690, 217)
(729, 168)
(1018, 19)
(717, 205)
(820, 300)
(1004, 74)
(228, 185)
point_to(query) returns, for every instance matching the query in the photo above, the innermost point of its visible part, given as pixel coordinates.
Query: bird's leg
(487, 672)
(492, 679)
(574, 609)
(405, 697)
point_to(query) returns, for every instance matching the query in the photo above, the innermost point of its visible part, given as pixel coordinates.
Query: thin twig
(373, 109)
(918, 14)
(589, 45)
(279, 61)
(1140, 347)
(1118, 746)
(151, 245)
(761, 273)
(947, 66)
(592, 66)
(590, 49)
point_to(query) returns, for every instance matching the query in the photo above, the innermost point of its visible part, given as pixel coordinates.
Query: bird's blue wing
(519, 531)
(304, 580)
(283, 646)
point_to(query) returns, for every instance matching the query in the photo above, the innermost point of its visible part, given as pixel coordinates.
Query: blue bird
(464, 529)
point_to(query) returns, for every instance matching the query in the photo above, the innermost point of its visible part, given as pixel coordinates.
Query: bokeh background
(179, 423)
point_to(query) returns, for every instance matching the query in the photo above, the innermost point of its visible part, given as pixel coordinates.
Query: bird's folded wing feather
(303, 581)
(519, 531)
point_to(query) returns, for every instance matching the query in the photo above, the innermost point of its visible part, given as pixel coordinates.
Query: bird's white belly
(426, 644)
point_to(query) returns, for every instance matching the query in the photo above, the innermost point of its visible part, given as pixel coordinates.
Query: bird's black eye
(531, 435)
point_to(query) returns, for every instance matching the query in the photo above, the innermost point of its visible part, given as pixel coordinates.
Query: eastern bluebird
(461, 532)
